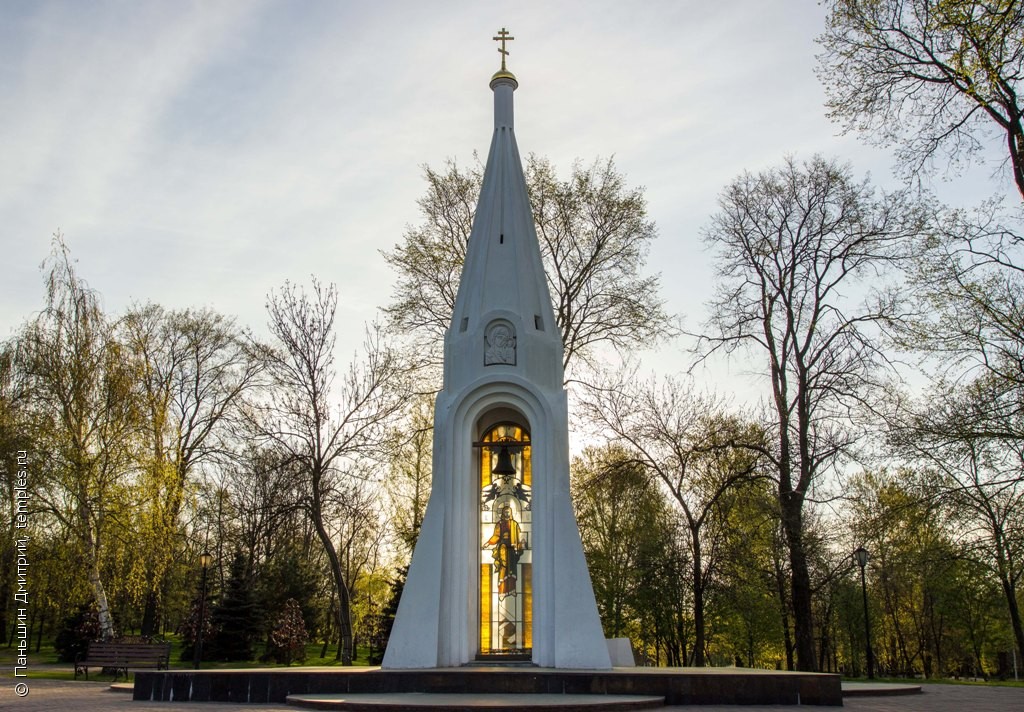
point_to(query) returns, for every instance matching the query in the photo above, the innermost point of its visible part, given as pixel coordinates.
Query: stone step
(455, 702)
(879, 689)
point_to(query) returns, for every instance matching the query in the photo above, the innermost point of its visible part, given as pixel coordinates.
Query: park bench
(121, 656)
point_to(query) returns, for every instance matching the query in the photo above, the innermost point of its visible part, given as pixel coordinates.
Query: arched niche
(505, 475)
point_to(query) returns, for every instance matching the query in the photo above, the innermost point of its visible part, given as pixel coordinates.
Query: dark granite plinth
(436, 702)
(679, 686)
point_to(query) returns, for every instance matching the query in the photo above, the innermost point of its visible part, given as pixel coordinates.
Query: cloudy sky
(200, 153)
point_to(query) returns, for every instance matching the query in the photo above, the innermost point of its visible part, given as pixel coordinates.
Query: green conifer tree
(236, 619)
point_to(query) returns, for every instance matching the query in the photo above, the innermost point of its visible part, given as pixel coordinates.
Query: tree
(663, 602)
(258, 498)
(980, 479)
(931, 77)
(940, 77)
(408, 483)
(326, 444)
(753, 608)
(236, 618)
(288, 637)
(256, 504)
(361, 538)
(697, 451)
(967, 279)
(13, 446)
(912, 569)
(594, 235)
(198, 619)
(76, 632)
(790, 243)
(292, 576)
(192, 368)
(623, 524)
(84, 413)
(386, 619)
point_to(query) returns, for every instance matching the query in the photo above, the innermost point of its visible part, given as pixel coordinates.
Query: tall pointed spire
(503, 270)
(498, 572)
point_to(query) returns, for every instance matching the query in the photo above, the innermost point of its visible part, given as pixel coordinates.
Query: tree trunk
(1011, 601)
(1015, 141)
(100, 594)
(344, 604)
(800, 582)
(1004, 570)
(149, 615)
(39, 633)
(780, 583)
(698, 601)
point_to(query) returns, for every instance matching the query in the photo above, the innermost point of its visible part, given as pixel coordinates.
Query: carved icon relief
(500, 344)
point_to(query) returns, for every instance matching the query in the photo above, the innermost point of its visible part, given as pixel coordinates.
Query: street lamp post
(861, 557)
(204, 560)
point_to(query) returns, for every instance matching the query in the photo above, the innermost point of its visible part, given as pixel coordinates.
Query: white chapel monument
(498, 573)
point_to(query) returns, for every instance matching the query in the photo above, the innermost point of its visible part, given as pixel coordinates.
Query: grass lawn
(941, 681)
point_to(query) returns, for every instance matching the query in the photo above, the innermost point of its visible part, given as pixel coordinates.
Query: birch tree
(84, 414)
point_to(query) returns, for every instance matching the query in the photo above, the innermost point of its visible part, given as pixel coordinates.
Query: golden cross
(503, 37)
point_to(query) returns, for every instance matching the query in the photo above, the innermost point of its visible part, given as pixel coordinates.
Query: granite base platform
(438, 702)
(679, 686)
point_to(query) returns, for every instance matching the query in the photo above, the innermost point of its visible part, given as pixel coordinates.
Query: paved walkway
(66, 696)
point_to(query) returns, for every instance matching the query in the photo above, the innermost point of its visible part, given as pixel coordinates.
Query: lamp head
(860, 555)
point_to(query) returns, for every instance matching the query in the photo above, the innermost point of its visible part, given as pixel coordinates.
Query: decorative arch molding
(482, 405)
(438, 621)
(495, 416)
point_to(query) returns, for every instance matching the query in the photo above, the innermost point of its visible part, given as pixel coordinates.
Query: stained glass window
(506, 559)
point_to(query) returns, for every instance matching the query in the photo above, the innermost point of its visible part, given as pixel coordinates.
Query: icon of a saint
(507, 550)
(500, 343)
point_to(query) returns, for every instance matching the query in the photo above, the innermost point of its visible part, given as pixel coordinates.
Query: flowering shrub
(288, 637)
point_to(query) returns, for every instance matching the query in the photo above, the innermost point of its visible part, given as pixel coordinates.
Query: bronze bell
(504, 465)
